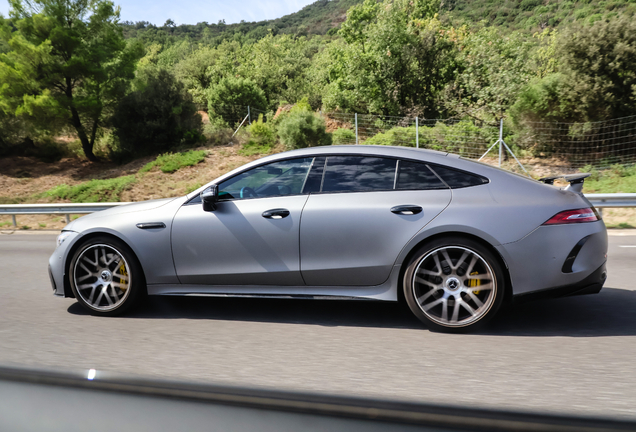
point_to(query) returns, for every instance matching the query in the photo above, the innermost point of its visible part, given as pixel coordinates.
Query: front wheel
(453, 284)
(106, 277)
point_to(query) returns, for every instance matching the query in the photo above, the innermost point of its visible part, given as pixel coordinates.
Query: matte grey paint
(331, 221)
(506, 213)
(236, 245)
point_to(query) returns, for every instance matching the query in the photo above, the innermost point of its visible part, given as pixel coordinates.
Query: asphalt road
(573, 355)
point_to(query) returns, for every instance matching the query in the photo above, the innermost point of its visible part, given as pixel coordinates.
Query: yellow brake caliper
(123, 272)
(472, 283)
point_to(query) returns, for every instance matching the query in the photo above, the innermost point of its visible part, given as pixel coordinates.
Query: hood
(125, 208)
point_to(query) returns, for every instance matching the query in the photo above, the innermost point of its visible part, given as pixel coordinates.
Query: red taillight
(574, 216)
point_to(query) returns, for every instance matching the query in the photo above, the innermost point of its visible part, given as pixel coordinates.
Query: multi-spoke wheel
(453, 284)
(105, 276)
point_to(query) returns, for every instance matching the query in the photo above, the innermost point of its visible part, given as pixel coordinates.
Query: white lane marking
(634, 246)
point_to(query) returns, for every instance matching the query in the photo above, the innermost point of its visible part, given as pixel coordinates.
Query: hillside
(315, 19)
(534, 15)
(324, 15)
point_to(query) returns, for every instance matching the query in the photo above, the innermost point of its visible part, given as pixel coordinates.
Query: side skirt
(385, 292)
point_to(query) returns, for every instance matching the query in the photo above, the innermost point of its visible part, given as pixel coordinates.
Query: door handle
(406, 209)
(276, 213)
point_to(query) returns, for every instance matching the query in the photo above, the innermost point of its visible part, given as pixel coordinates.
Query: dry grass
(22, 179)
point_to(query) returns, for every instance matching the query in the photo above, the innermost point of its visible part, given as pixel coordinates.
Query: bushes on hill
(301, 128)
(157, 118)
(230, 97)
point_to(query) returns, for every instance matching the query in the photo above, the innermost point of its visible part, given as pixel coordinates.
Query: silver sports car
(453, 238)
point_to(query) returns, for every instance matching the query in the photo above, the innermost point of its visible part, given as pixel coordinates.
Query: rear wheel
(454, 284)
(106, 277)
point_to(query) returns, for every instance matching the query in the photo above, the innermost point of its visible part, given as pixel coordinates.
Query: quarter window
(356, 174)
(458, 179)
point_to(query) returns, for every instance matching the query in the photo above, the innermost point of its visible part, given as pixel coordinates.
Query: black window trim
(431, 166)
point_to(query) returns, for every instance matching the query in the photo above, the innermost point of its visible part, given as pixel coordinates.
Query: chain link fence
(553, 145)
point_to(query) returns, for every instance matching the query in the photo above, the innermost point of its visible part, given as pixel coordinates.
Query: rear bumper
(590, 285)
(555, 256)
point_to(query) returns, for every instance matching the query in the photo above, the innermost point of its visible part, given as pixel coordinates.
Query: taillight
(588, 214)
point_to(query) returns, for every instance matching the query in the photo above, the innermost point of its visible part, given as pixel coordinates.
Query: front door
(252, 238)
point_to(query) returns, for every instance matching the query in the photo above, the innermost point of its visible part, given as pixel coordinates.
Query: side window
(416, 175)
(358, 173)
(276, 179)
(458, 179)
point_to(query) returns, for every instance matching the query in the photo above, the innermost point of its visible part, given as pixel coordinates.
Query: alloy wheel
(454, 286)
(102, 277)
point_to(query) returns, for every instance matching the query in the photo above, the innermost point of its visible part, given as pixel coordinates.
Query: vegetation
(93, 191)
(157, 117)
(171, 162)
(618, 179)
(68, 67)
(302, 128)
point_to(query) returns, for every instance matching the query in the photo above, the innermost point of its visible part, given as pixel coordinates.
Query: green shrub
(93, 191)
(231, 96)
(262, 133)
(251, 148)
(171, 162)
(344, 136)
(300, 129)
(157, 118)
(456, 138)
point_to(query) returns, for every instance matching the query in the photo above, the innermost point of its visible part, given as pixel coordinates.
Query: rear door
(360, 216)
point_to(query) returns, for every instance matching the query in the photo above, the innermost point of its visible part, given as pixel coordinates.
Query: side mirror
(209, 198)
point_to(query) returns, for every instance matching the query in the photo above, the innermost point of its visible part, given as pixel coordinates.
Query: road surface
(572, 355)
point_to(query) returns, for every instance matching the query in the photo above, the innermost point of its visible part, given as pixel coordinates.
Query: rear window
(415, 175)
(456, 179)
(358, 173)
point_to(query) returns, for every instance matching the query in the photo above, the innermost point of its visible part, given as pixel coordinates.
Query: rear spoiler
(575, 180)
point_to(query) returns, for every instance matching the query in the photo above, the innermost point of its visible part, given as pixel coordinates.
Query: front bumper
(57, 265)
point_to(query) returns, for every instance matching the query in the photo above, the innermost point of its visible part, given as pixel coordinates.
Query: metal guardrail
(62, 209)
(613, 200)
(600, 201)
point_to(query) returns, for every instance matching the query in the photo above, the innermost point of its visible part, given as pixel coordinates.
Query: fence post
(68, 218)
(417, 133)
(15, 223)
(356, 128)
(249, 116)
(500, 141)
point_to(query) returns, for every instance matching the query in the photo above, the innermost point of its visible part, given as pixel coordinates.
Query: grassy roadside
(175, 174)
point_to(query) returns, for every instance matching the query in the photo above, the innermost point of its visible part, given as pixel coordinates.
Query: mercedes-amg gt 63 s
(453, 238)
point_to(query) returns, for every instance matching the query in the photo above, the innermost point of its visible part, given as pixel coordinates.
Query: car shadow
(612, 312)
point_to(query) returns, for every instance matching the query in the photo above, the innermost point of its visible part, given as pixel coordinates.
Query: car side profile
(452, 237)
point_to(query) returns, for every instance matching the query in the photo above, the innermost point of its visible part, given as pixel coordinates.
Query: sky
(192, 12)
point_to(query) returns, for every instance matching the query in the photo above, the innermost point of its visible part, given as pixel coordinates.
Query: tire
(106, 277)
(454, 284)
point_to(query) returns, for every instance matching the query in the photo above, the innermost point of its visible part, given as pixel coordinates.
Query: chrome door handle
(275, 213)
(406, 209)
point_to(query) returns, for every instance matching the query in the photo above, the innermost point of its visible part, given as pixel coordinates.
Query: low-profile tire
(106, 277)
(453, 284)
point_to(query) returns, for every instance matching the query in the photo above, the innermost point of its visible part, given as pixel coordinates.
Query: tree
(595, 77)
(156, 118)
(394, 59)
(71, 60)
(493, 70)
(230, 97)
